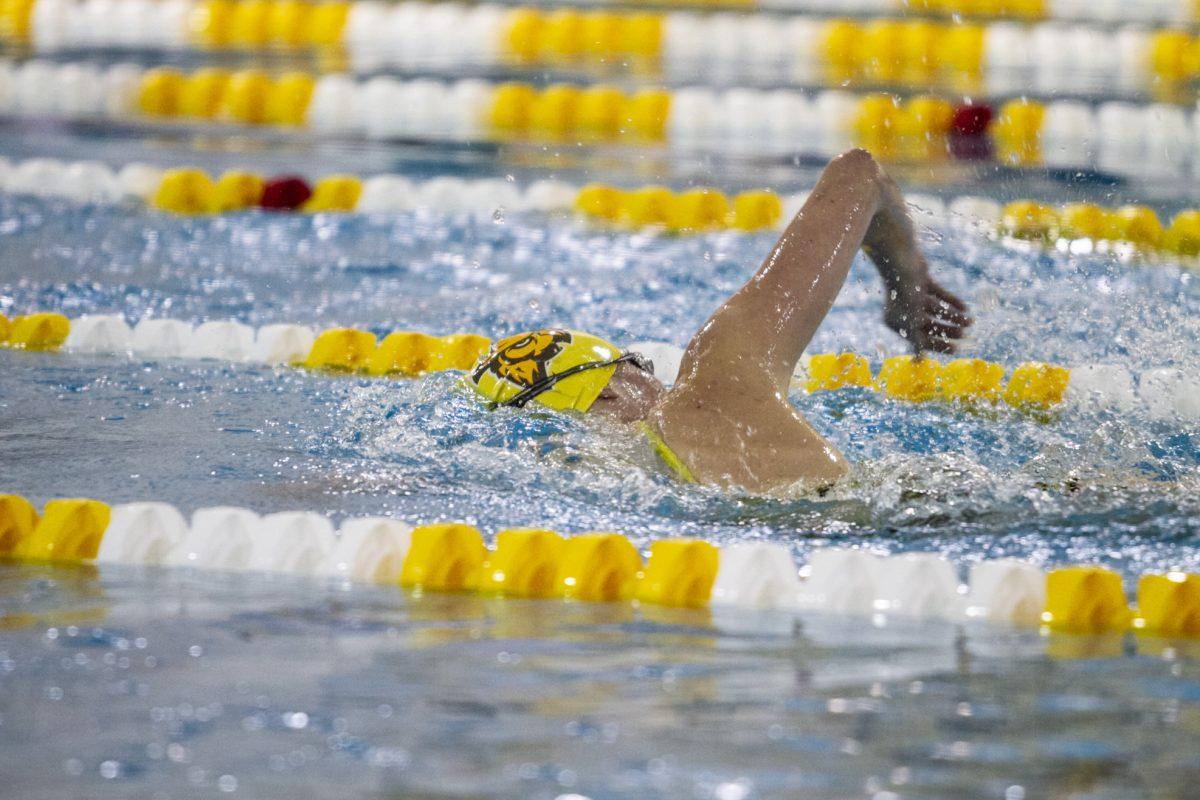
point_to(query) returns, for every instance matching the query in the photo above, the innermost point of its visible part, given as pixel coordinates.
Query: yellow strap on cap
(518, 362)
(664, 452)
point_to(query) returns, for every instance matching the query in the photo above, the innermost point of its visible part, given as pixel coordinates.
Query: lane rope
(1162, 393)
(1079, 227)
(1141, 140)
(596, 567)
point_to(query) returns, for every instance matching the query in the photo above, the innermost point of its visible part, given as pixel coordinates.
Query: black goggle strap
(546, 384)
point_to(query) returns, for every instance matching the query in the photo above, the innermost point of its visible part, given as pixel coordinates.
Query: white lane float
(90, 182)
(139, 181)
(841, 581)
(974, 211)
(1006, 590)
(920, 585)
(160, 338)
(549, 195)
(337, 104)
(221, 340)
(756, 575)
(220, 537)
(101, 334)
(370, 550)
(282, 344)
(295, 542)
(388, 193)
(1170, 393)
(142, 533)
(1103, 386)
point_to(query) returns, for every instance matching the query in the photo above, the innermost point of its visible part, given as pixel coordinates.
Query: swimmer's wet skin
(727, 421)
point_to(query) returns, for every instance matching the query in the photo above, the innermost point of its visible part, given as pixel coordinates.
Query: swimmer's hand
(916, 306)
(925, 313)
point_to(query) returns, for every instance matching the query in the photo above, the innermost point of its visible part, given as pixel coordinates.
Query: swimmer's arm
(916, 306)
(761, 331)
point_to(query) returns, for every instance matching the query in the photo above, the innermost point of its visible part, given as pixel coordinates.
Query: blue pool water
(158, 683)
(1086, 485)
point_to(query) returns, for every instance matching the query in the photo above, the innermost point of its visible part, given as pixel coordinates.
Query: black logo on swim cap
(524, 359)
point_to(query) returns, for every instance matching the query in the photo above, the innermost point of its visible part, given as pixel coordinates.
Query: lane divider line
(596, 567)
(190, 190)
(335, 350)
(801, 47)
(1146, 141)
(1162, 393)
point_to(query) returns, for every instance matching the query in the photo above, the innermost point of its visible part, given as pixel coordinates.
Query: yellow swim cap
(551, 367)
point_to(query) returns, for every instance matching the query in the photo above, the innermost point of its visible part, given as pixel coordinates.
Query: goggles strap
(520, 399)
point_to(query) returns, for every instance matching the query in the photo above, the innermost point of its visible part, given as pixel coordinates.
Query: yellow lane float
(1086, 600)
(443, 558)
(341, 350)
(525, 563)
(68, 530)
(18, 518)
(44, 331)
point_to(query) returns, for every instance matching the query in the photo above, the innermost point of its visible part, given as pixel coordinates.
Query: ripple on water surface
(156, 683)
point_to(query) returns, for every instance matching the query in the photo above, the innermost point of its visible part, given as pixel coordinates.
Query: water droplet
(296, 720)
(734, 790)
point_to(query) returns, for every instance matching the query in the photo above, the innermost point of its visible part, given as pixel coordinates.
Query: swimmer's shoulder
(757, 450)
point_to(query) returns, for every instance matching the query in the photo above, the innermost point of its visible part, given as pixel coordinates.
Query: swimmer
(727, 420)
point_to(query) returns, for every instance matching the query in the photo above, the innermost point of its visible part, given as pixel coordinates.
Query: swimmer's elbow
(855, 156)
(855, 163)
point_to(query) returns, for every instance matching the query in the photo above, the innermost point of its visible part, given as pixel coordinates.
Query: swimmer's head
(566, 370)
(630, 395)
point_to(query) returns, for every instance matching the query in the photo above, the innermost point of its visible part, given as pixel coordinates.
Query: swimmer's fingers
(940, 311)
(947, 296)
(943, 303)
(941, 346)
(937, 336)
(937, 329)
(938, 344)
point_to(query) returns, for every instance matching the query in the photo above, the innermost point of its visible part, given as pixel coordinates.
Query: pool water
(161, 683)
(127, 683)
